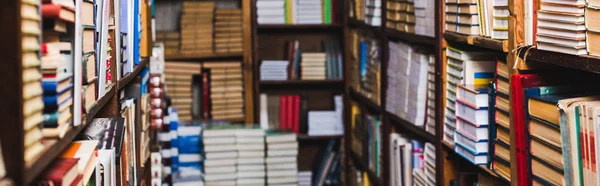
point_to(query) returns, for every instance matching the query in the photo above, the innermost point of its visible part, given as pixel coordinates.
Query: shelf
(362, 100)
(411, 128)
(485, 42)
(361, 24)
(205, 56)
(411, 38)
(125, 80)
(483, 168)
(307, 137)
(54, 147)
(583, 62)
(363, 167)
(303, 84)
(287, 27)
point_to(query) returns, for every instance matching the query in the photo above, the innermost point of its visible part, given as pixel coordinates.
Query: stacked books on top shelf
(472, 117)
(32, 89)
(592, 11)
(228, 31)
(474, 68)
(170, 41)
(366, 138)
(411, 162)
(197, 27)
(425, 17)
(296, 11)
(251, 156)
(497, 20)
(367, 68)
(480, 18)
(282, 157)
(222, 91)
(373, 12)
(305, 65)
(561, 26)
(401, 16)
(304, 178)
(500, 122)
(430, 124)
(326, 123)
(407, 83)
(178, 85)
(57, 70)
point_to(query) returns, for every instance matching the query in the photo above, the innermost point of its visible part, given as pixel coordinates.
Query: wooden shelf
(54, 147)
(485, 42)
(411, 128)
(307, 137)
(362, 100)
(363, 167)
(409, 37)
(583, 62)
(286, 27)
(205, 56)
(303, 84)
(125, 80)
(362, 25)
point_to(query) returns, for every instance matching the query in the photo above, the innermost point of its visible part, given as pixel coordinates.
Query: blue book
(340, 68)
(123, 14)
(471, 155)
(363, 59)
(145, 74)
(52, 88)
(55, 101)
(478, 145)
(136, 34)
(417, 153)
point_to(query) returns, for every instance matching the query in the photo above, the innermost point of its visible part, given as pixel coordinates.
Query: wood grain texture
(11, 90)
(516, 37)
(248, 7)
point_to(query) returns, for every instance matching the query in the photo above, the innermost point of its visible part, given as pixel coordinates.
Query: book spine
(290, 112)
(296, 113)
(205, 95)
(51, 11)
(282, 112)
(327, 11)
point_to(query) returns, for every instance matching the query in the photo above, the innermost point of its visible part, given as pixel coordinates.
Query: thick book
(62, 171)
(57, 11)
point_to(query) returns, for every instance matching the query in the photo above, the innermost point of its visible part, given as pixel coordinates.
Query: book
(57, 11)
(62, 171)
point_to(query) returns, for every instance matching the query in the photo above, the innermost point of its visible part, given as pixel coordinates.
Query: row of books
(366, 138)
(487, 18)
(365, 68)
(327, 166)
(209, 90)
(499, 108)
(296, 11)
(411, 16)
(367, 11)
(290, 112)
(411, 85)
(412, 161)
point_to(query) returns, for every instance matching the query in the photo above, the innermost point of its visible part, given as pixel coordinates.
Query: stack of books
(32, 101)
(220, 149)
(373, 12)
(190, 141)
(429, 158)
(86, 152)
(408, 161)
(282, 153)
(270, 11)
(90, 64)
(402, 16)
(500, 123)
(463, 17)
(313, 66)
(472, 119)
(425, 17)
(274, 70)
(370, 70)
(178, 79)
(592, 11)
(334, 59)
(366, 138)
(171, 42)
(197, 27)
(62, 170)
(499, 21)
(309, 12)
(283, 112)
(326, 123)
(407, 92)
(228, 31)
(465, 66)
(304, 178)
(431, 97)
(561, 27)
(58, 88)
(251, 156)
(225, 89)
(328, 169)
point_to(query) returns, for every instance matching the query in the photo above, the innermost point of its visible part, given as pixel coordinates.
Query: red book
(56, 11)
(282, 112)
(205, 96)
(63, 171)
(290, 113)
(296, 122)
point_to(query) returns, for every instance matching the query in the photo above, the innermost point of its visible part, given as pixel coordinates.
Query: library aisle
(299, 92)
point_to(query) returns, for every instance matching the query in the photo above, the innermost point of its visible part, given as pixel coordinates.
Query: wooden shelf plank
(125, 80)
(54, 147)
(485, 42)
(583, 62)
(286, 27)
(303, 84)
(307, 137)
(409, 37)
(363, 167)
(411, 128)
(364, 101)
(362, 25)
(205, 56)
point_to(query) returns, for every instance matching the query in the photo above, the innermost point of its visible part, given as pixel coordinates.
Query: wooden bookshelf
(210, 56)
(410, 38)
(307, 137)
(583, 62)
(364, 101)
(485, 42)
(54, 147)
(300, 27)
(363, 166)
(412, 128)
(125, 80)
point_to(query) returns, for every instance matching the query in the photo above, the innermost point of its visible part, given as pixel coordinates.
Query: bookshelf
(480, 41)
(204, 56)
(125, 80)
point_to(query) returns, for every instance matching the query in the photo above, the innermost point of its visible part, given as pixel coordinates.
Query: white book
(216, 133)
(215, 183)
(286, 152)
(281, 138)
(250, 181)
(282, 173)
(219, 169)
(289, 145)
(190, 158)
(219, 141)
(480, 146)
(260, 5)
(264, 116)
(475, 158)
(222, 155)
(475, 132)
(250, 140)
(250, 174)
(473, 96)
(477, 116)
(243, 133)
(275, 20)
(250, 147)
(245, 161)
(219, 148)
(282, 166)
(219, 162)
(220, 177)
(260, 167)
(274, 160)
(250, 154)
(282, 180)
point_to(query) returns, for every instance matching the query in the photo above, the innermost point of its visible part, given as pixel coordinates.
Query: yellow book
(289, 14)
